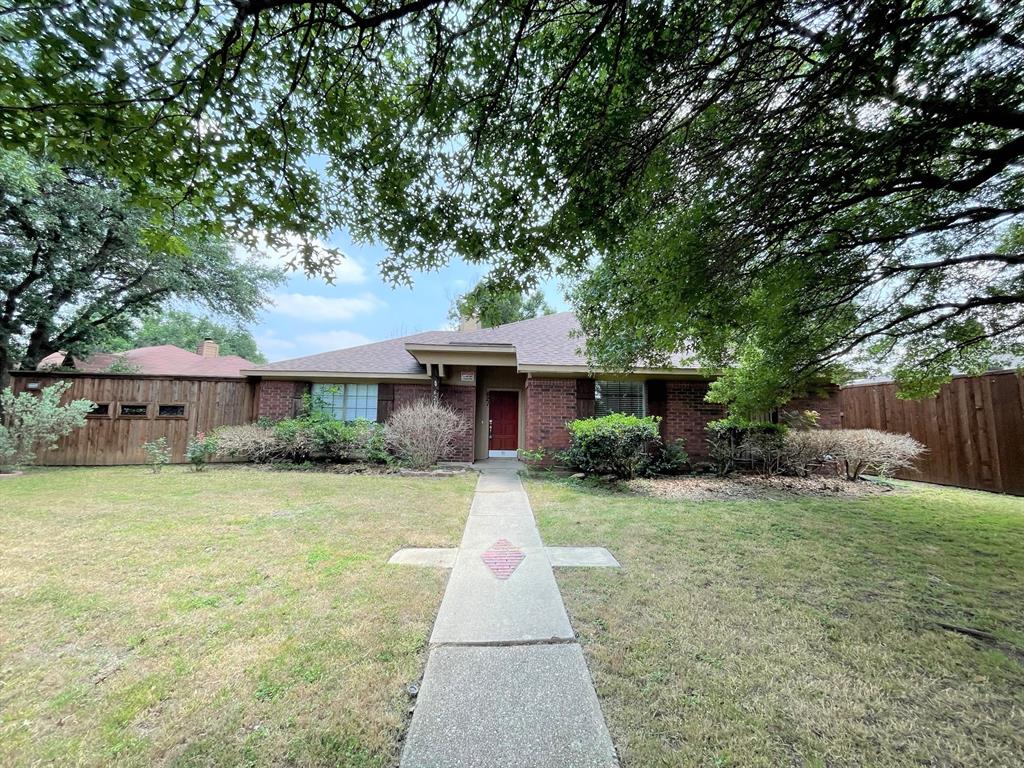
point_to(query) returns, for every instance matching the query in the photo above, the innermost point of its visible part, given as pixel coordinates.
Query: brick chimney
(469, 324)
(208, 348)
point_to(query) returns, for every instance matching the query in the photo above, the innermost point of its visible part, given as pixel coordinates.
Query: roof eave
(461, 348)
(584, 370)
(299, 374)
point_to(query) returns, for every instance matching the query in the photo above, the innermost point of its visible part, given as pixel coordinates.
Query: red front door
(503, 412)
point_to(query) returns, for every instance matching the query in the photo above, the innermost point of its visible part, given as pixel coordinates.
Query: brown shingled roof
(549, 340)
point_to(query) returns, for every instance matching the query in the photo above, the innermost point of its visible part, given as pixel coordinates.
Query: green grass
(801, 633)
(233, 617)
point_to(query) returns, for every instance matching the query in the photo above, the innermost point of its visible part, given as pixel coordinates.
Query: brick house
(516, 384)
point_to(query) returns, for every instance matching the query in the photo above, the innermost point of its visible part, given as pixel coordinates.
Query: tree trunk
(5, 376)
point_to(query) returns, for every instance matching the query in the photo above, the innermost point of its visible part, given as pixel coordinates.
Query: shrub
(252, 442)
(159, 453)
(859, 451)
(671, 460)
(734, 442)
(316, 435)
(369, 441)
(806, 449)
(722, 448)
(200, 449)
(30, 423)
(761, 448)
(304, 439)
(617, 444)
(321, 436)
(422, 433)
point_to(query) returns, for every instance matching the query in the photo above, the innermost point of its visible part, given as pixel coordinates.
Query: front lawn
(805, 632)
(233, 617)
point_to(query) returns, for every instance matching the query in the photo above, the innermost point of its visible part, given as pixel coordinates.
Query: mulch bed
(754, 487)
(357, 468)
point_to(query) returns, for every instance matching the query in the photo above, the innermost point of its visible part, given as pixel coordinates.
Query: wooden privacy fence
(134, 409)
(974, 429)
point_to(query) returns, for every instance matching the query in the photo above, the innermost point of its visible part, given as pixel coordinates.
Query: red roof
(164, 360)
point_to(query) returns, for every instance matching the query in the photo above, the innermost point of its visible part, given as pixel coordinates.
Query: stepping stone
(435, 558)
(526, 706)
(585, 557)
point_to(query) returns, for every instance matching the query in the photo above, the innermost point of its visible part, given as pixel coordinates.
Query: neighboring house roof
(550, 343)
(163, 360)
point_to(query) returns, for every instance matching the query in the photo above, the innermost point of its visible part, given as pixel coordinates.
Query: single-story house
(516, 384)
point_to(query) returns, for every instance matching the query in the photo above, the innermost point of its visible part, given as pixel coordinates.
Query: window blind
(619, 397)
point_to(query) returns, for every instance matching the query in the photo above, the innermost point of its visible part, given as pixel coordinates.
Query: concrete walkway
(506, 683)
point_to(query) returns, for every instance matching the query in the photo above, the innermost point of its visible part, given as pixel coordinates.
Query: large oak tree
(79, 264)
(776, 184)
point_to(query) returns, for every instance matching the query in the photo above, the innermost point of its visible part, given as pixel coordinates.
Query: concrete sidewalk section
(525, 706)
(506, 683)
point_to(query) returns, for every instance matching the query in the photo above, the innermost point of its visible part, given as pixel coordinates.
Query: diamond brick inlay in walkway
(503, 558)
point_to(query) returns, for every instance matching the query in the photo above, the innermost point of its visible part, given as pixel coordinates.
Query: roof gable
(547, 342)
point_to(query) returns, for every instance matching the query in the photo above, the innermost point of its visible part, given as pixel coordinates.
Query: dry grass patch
(232, 617)
(806, 632)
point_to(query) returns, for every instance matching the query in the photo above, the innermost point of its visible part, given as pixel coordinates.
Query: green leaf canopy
(778, 185)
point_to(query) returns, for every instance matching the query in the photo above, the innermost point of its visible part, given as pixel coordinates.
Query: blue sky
(311, 316)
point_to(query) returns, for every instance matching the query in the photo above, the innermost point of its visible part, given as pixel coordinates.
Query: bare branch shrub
(851, 452)
(857, 451)
(251, 442)
(422, 433)
(805, 449)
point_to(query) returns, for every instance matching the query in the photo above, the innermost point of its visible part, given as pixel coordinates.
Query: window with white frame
(346, 402)
(619, 397)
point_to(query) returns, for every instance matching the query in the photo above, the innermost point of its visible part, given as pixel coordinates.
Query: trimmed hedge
(617, 444)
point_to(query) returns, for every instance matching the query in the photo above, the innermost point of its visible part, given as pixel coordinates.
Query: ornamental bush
(252, 442)
(850, 452)
(869, 451)
(421, 434)
(670, 460)
(31, 423)
(808, 449)
(316, 437)
(313, 436)
(616, 444)
(200, 449)
(159, 453)
(734, 442)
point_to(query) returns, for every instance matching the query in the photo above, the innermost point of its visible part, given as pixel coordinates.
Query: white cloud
(306, 306)
(346, 270)
(273, 346)
(277, 348)
(331, 340)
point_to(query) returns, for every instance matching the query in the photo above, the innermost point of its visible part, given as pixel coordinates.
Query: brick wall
(550, 403)
(686, 415)
(463, 401)
(826, 403)
(406, 394)
(280, 399)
